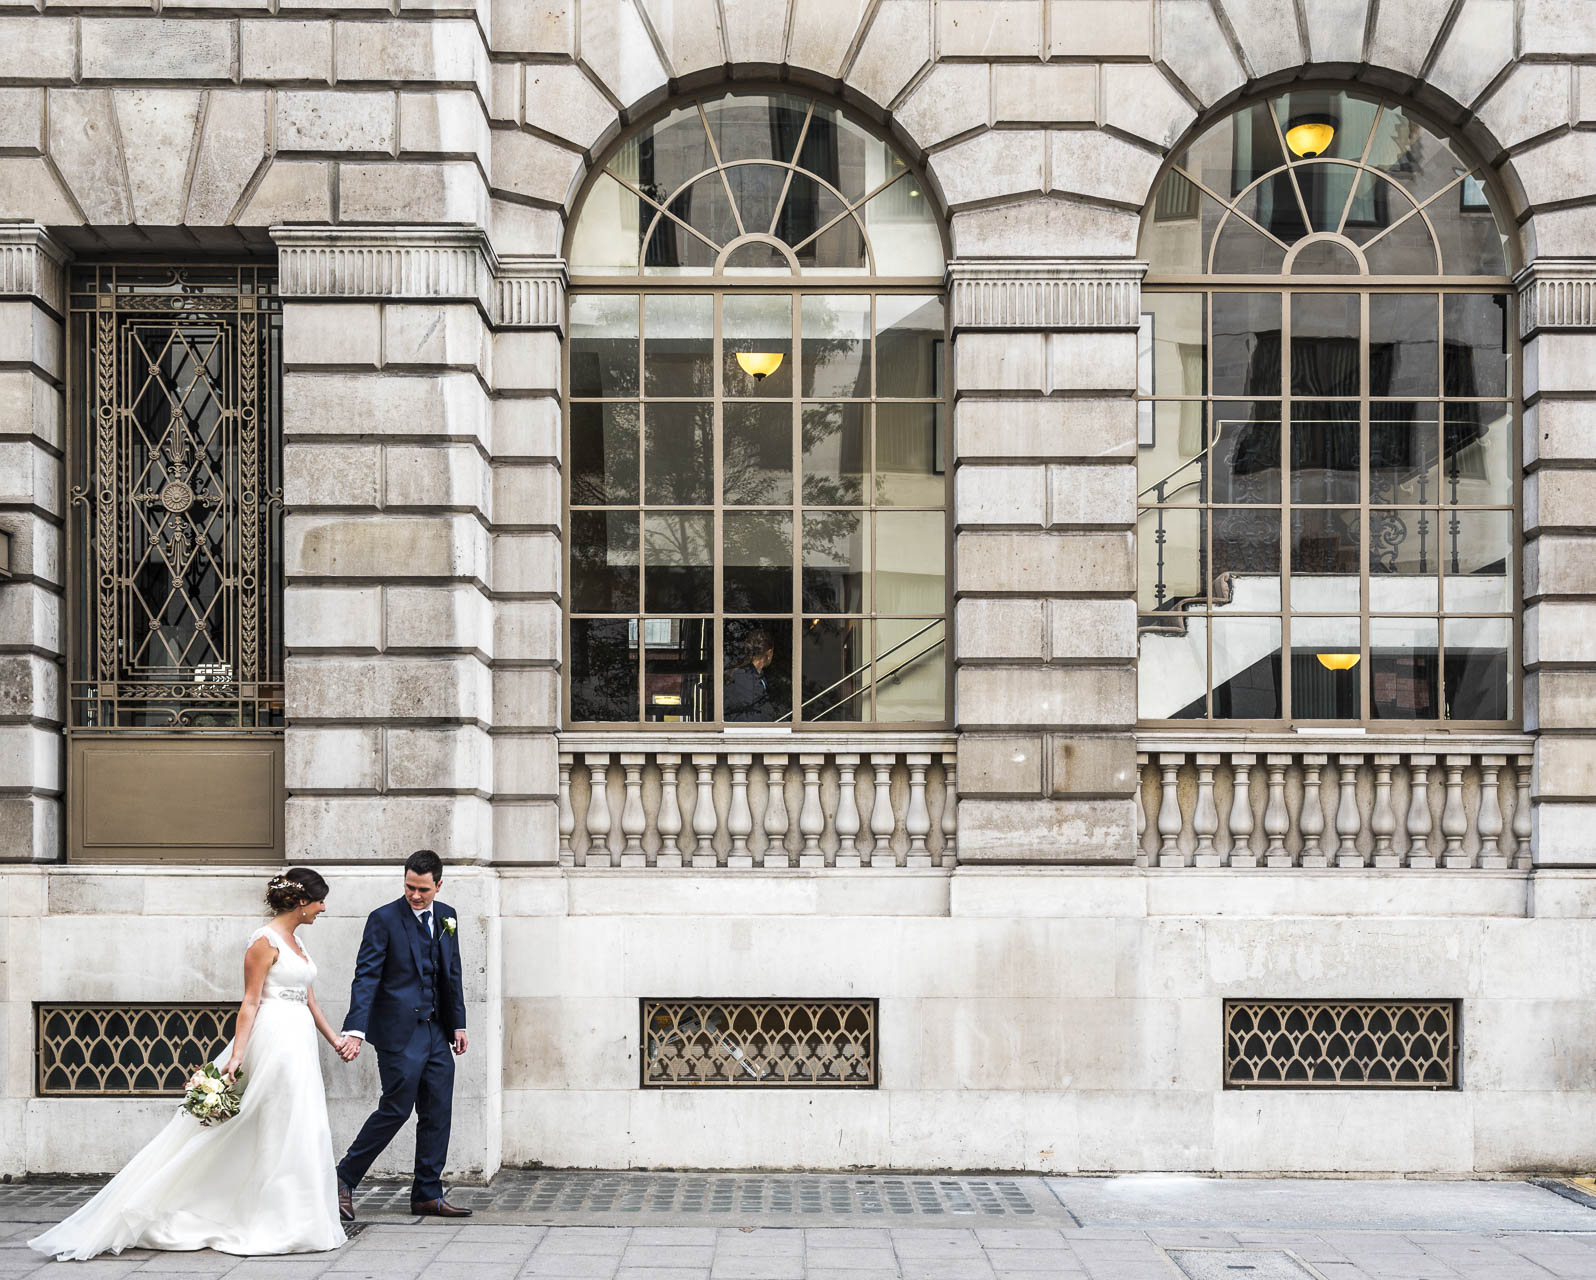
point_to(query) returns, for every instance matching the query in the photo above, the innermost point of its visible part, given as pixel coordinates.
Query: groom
(408, 1001)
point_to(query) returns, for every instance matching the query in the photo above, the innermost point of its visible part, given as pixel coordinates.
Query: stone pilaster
(1557, 321)
(1045, 510)
(32, 512)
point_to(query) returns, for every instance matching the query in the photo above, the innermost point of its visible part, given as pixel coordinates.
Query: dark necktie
(426, 923)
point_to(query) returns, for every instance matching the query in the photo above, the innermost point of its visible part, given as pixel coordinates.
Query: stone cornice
(386, 262)
(1556, 293)
(1045, 294)
(32, 265)
(530, 293)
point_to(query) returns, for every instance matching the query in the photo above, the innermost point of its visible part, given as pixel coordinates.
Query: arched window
(1327, 450)
(757, 461)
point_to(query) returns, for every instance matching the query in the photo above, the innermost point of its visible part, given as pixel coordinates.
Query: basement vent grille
(1305, 1044)
(126, 1050)
(759, 1043)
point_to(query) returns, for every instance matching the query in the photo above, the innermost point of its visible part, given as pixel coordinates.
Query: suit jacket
(387, 1000)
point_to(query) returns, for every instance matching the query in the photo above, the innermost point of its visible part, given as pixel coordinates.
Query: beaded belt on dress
(297, 994)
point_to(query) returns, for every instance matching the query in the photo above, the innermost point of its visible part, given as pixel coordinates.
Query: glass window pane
(1241, 249)
(1404, 655)
(1325, 258)
(911, 455)
(1479, 466)
(1172, 555)
(668, 155)
(1175, 238)
(603, 669)
(678, 570)
(1325, 344)
(609, 230)
(756, 126)
(1405, 250)
(1468, 226)
(1325, 561)
(678, 661)
(679, 454)
(1172, 670)
(909, 345)
(673, 248)
(1350, 118)
(1171, 458)
(758, 666)
(1404, 453)
(1476, 547)
(756, 334)
(1246, 559)
(603, 561)
(603, 454)
(1404, 344)
(1325, 452)
(1411, 154)
(1246, 344)
(905, 234)
(1403, 560)
(1244, 464)
(910, 562)
(1479, 654)
(1476, 344)
(835, 569)
(1171, 347)
(604, 344)
(911, 673)
(756, 464)
(836, 669)
(1246, 668)
(756, 189)
(836, 460)
(678, 337)
(1326, 668)
(756, 573)
(836, 334)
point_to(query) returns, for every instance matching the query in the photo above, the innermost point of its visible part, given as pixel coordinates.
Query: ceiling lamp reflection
(1310, 136)
(759, 365)
(1338, 661)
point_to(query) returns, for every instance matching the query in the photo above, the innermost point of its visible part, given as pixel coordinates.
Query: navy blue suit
(408, 1000)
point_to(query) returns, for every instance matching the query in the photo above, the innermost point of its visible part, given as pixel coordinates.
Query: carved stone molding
(385, 262)
(530, 293)
(32, 265)
(1046, 294)
(1556, 293)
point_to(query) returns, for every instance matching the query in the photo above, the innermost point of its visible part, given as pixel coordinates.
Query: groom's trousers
(419, 1078)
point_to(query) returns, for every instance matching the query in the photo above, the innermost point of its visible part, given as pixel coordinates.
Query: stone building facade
(327, 504)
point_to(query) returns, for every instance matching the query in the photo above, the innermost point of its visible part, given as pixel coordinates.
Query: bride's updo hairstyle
(294, 888)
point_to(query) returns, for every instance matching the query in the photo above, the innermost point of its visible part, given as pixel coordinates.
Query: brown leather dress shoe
(439, 1208)
(346, 1203)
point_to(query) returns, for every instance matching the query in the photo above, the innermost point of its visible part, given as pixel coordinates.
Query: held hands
(460, 1043)
(348, 1047)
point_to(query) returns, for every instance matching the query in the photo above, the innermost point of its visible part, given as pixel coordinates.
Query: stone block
(444, 122)
(1559, 565)
(458, 618)
(1531, 101)
(29, 335)
(40, 49)
(533, 26)
(1555, 27)
(449, 335)
(986, 629)
(1000, 362)
(30, 758)
(441, 52)
(332, 475)
(527, 630)
(332, 618)
(450, 406)
(991, 165)
(1558, 430)
(1047, 94)
(820, 32)
(505, 93)
(1475, 50)
(30, 687)
(1089, 765)
(1557, 169)
(1090, 697)
(954, 99)
(1559, 700)
(526, 429)
(527, 360)
(1195, 49)
(365, 689)
(84, 150)
(22, 119)
(979, 29)
(232, 147)
(1090, 360)
(1095, 494)
(1043, 429)
(1091, 163)
(689, 31)
(334, 120)
(1022, 228)
(30, 618)
(448, 191)
(1046, 831)
(755, 32)
(333, 759)
(1091, 630)
(527, 564)
(452, 546)
(526, 697)
(1565, 834)
(520, 228)
(1268, 39)
(526, 496)
(999, 766)
(1101, 29)
(32, 827)
(1335, 30)
(1560, 232)
(1401, 36)
(1560, 361)
(615, 46)
(30, 405)
(331, 333)
(896, 46)
(1000, 496)
(283, 50)
(434, 477)
(1565, 768)
(1035, 564)
(1140, 100)
(1559, 499)
(561, 100)
(458, 758)
(1585, 98)
(526, 764)
(149, 48)
(383, 829)
(291, 191)
(1560, 633)
(30, 475)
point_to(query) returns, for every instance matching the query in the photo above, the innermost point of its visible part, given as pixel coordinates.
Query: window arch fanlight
(756, 407)
(1328, 459)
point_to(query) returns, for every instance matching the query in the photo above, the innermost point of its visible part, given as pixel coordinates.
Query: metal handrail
(881, 679)
(849, 675)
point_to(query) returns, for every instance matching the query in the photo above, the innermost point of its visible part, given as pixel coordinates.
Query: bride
(263, 1181)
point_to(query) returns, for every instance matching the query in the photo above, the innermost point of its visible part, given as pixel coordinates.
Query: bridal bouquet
(211, 1098)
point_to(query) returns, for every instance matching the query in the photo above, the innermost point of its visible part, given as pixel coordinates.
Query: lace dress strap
(267, 932)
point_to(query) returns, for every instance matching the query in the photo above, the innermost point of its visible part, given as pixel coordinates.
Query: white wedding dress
(260, 1183)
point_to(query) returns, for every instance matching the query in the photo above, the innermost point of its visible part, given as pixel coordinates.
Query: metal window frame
(1453, 1009)
(870, 1005)
(222, 1010)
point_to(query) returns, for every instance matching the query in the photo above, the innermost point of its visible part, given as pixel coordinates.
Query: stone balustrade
(847, 801)
(1291, 801)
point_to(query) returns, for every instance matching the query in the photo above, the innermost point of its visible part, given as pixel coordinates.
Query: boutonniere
(450, 925)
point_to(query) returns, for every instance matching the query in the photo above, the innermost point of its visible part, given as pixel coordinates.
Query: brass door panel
(192, 799)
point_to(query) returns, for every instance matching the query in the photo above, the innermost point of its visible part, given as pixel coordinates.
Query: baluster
(567, 813)
(1141, 810)
(1205, 817)
(1489, 821)
(704, 820)
(1420, 821)
(1383, 821)
(1241, 819)
(670, 813)
(740, 817)
(776, 812)
(847, 820)
(1277, 818)
(1349, 822)
(1169, 820)
(1311, 820)
(1454, 817)
(918, 820)
(950, 810)
(883, 822)
(598, 812)
(811, 817)
(1523, 824)
(632, 817)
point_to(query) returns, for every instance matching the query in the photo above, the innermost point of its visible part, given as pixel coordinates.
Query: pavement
(661, 1226)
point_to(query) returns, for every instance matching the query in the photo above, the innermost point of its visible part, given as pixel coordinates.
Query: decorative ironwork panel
(176, 498)
(126, 1050)
(760, 1043)
(1304, 1044)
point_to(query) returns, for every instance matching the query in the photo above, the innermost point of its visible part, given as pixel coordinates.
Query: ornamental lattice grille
(1303, 1044)
(176, 498)
(126, 1050)
(759, 1043)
